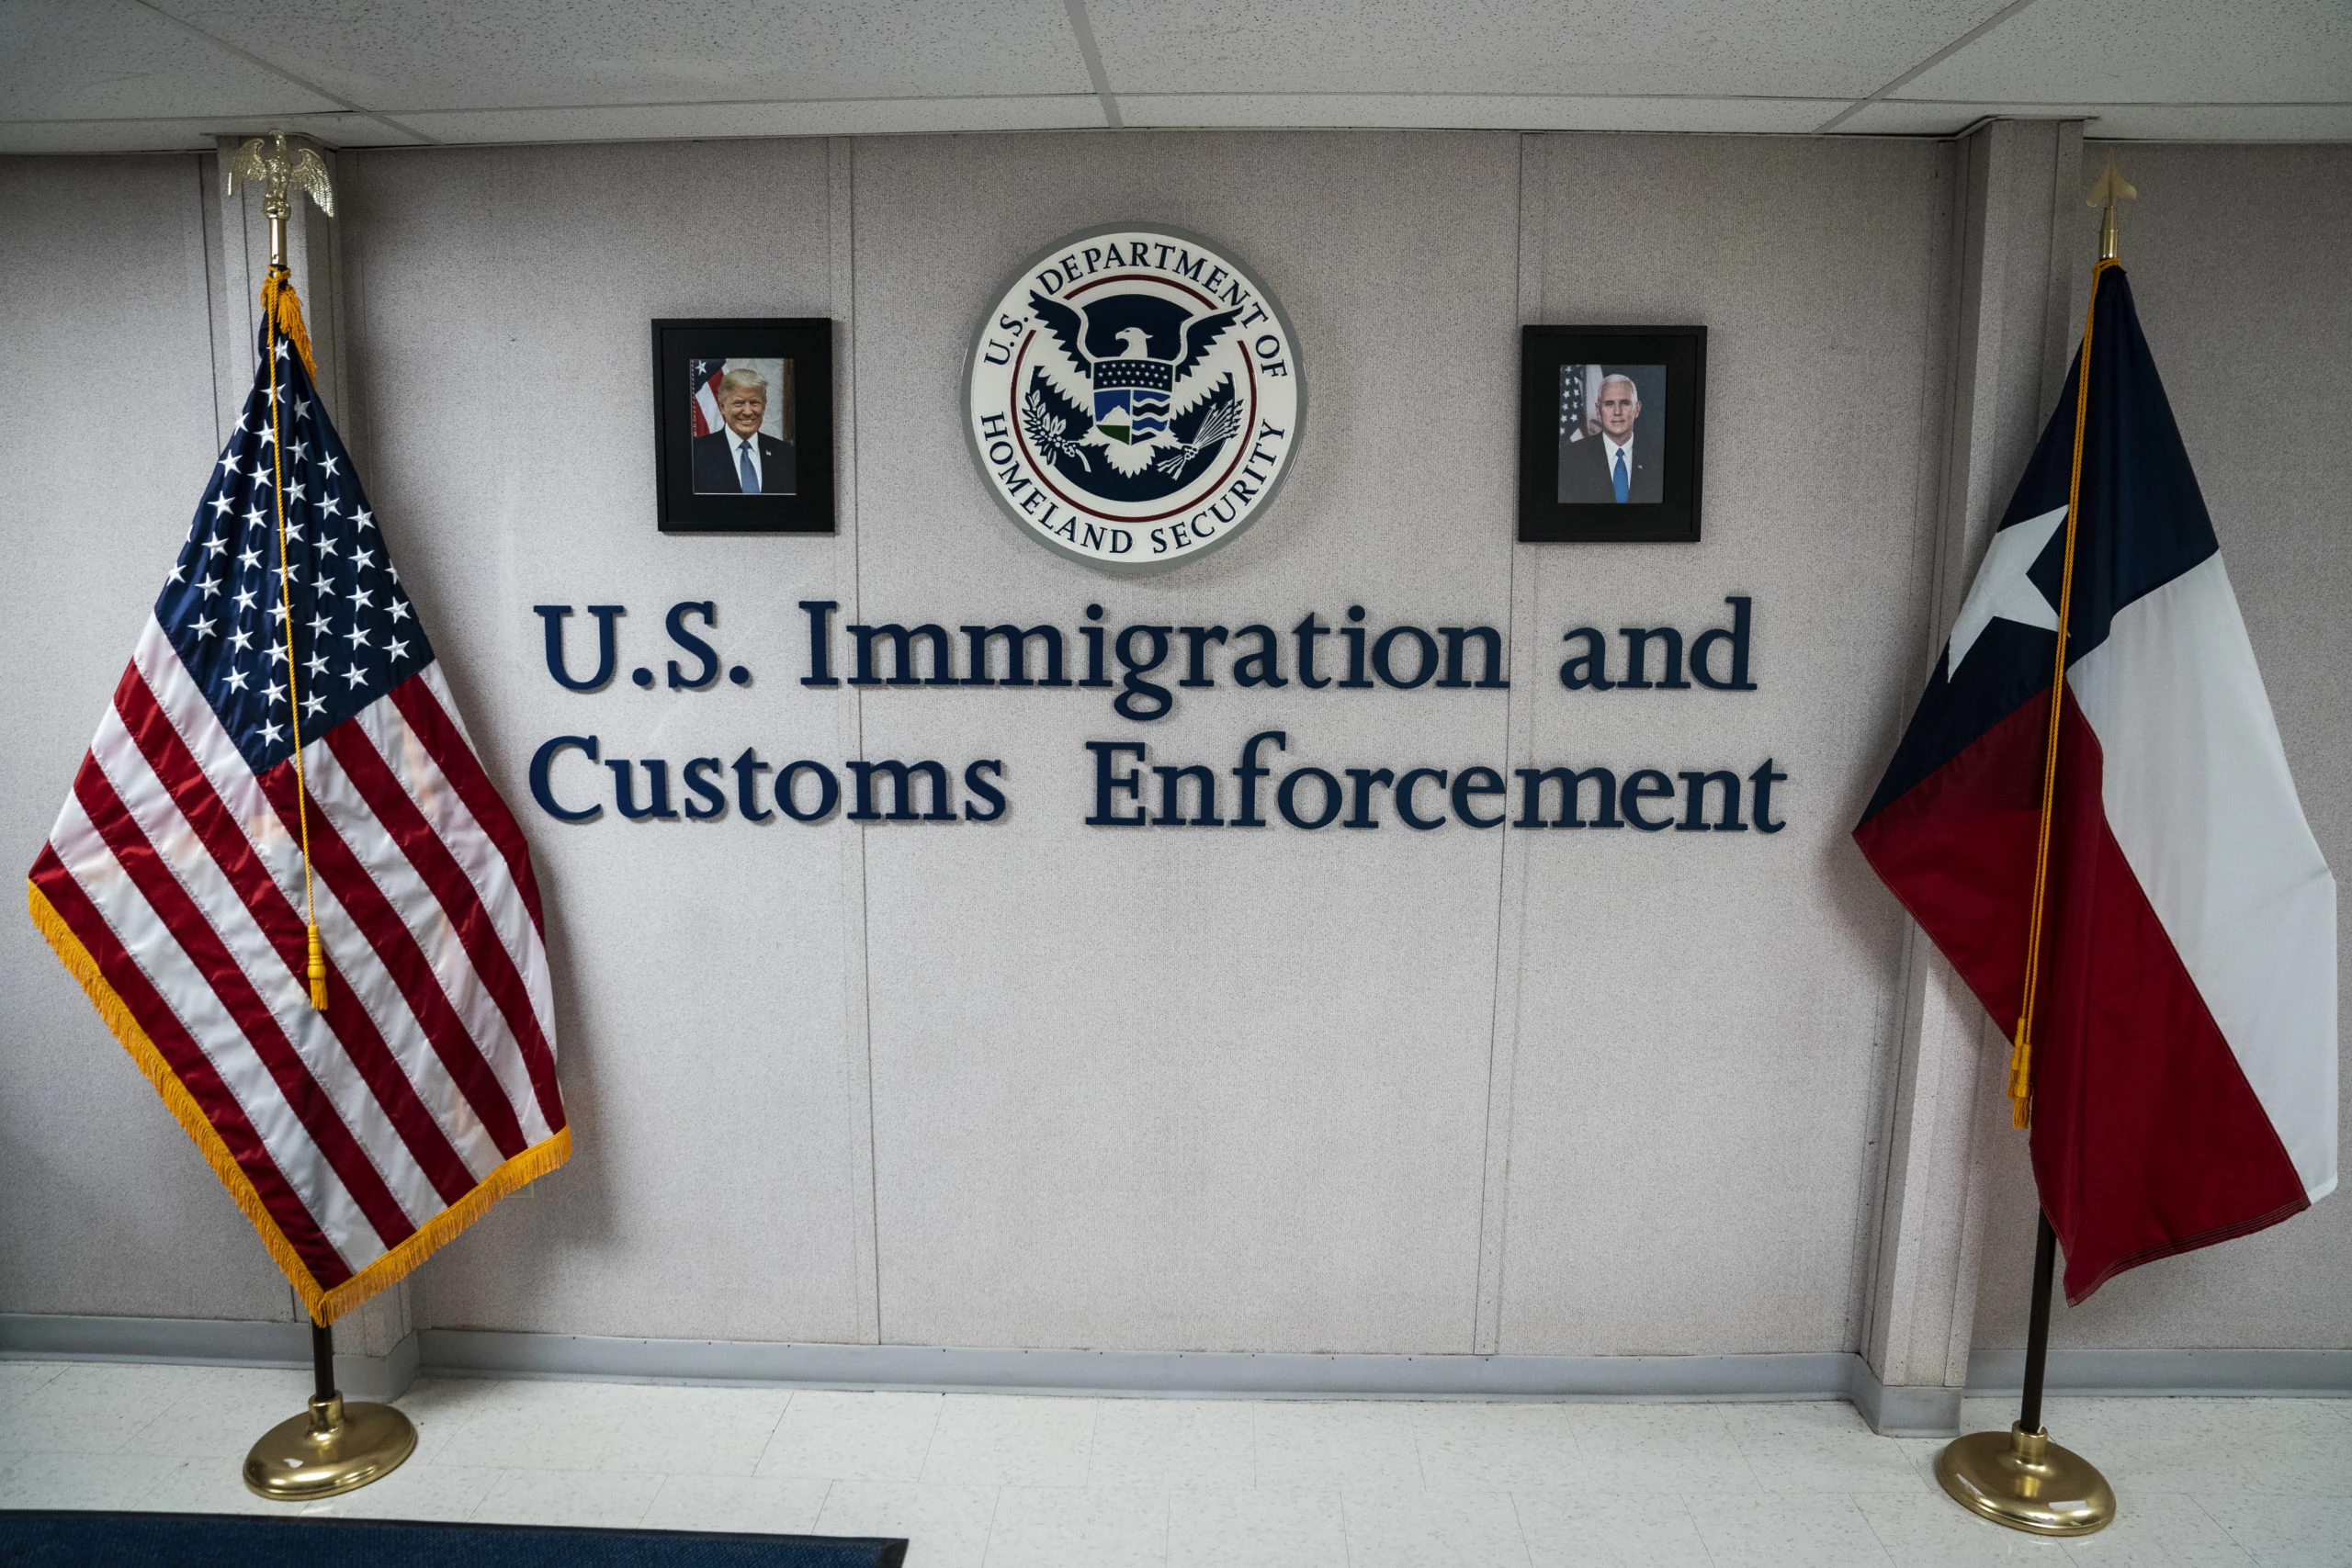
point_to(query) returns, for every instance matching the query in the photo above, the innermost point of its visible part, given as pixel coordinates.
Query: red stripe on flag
(396, 948)
(152, 875)
(1957, 847)
(448, 748)
(2147, 1139)
(225, 840)
(189, 1066)
(397, 816)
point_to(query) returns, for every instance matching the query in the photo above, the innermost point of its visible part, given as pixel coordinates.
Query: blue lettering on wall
(1153, 663)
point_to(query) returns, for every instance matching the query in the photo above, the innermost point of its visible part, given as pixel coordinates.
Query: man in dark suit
(737, 459)
(1613, 466)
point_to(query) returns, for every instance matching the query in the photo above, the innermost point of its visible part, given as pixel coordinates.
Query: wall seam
(1511, 862)
(201, 270)
(865, 1205)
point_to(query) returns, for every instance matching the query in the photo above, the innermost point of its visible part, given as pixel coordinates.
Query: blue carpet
(39, 1540)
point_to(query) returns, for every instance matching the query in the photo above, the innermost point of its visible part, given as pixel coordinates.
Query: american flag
(174, 885)
(703, 376)
(1577, 385)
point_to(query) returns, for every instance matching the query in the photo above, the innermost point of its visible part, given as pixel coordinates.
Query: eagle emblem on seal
(1128, 387)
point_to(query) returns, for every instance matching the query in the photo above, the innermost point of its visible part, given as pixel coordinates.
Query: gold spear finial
(2111, 188)
(279, 170)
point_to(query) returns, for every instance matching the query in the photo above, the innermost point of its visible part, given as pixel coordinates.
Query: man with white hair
(1613, 468)
(738, 458)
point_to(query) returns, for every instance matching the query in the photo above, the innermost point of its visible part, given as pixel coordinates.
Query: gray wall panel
(106, 378)
(1702, 1015)
(1200, 1087)
(499, 310)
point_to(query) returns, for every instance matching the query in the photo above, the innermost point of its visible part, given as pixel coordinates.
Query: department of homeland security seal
(1133, 398)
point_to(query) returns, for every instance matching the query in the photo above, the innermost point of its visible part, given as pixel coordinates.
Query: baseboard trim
(200, 1341)
(1895, 1410)
(2265, 1375)
(195, 1340)
(1187, 1374)
(1905, 1410)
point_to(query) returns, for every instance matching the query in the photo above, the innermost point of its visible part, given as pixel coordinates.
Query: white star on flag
(2002, 591)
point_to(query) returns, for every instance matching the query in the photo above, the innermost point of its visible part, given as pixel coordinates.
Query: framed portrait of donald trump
(1611, 425)
(743, 425)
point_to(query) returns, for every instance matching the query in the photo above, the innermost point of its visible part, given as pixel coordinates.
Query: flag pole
(2020, 1478)
(332, 1447)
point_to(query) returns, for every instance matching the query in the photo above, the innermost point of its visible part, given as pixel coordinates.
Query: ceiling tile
(2127, 123)
(467, 55)
(2139, 51)
(1475, 111)
(867, 116)
(1709, 48)
(109, 60)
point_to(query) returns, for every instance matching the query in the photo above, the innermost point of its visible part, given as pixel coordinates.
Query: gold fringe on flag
(326, 1305)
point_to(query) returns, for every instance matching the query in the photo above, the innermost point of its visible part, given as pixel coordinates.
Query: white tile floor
(979, 1481)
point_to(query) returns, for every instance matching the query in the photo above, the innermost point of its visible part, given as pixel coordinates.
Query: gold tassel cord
(284, 307)
(284, 312)
(2021, 1056)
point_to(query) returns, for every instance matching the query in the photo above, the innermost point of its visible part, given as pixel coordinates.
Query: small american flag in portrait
(703, 375)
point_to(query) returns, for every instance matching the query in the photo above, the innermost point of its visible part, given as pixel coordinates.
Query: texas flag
(2182, 1066)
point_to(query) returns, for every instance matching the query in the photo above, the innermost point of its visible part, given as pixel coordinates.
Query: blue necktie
(750, 476)
(1619, 475)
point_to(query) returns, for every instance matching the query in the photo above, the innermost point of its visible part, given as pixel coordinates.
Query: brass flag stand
(332, 1447)
(2020, 1478)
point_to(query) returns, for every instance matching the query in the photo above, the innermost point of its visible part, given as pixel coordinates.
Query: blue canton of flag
(355, 635)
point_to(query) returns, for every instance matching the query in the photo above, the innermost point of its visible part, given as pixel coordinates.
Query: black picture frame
(806, 342)
(1544, 518)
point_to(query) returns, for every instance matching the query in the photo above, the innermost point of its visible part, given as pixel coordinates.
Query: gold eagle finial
(280, 171)
(2111, 189)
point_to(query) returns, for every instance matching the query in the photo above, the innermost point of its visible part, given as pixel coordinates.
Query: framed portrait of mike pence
(743, 425)
(1612, 434)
